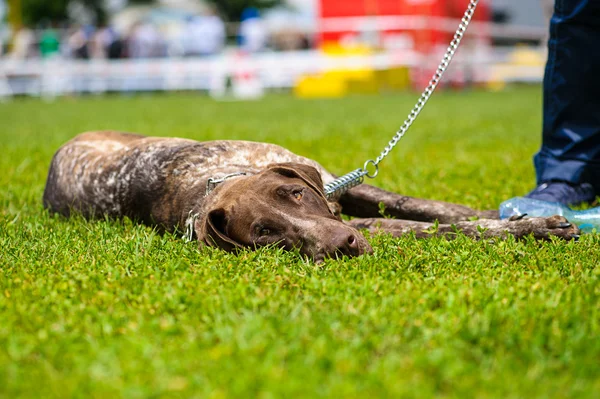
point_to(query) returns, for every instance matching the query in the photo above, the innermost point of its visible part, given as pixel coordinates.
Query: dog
(241, 194)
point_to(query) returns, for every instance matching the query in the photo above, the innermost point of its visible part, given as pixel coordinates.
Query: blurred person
(253, 32)
(568, 162)
(77, 43)
(101, 42)
(117, 48)
(145, 41)
(23, 42)
(128, 41)
(290, 40)
(204, 35)
(134, 43)
(49, 43)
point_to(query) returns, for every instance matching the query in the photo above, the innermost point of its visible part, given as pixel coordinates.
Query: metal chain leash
(356, 177)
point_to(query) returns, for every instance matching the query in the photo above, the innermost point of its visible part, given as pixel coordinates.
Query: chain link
(354, 178)
(435, 79)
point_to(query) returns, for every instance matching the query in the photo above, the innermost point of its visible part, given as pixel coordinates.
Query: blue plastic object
(587, 220)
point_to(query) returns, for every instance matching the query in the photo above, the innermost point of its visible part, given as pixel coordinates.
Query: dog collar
(212, 182)
(189, 226)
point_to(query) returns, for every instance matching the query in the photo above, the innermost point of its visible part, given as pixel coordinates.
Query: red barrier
(425, 22)
(425, 26)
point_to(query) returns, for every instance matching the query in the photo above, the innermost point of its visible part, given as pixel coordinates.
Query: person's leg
(570, 150)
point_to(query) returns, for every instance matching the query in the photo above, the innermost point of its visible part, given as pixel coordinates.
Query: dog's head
(285, 206)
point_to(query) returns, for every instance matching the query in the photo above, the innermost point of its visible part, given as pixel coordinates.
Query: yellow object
(337, 83)
(524, 65)
(397, 78)
(319, 87)
(527, 57)
(335, 49)
(342, 82)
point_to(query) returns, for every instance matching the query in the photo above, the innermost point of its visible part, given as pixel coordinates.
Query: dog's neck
(207, 200)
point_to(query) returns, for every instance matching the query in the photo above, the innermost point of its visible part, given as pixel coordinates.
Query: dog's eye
(264, 232)
(261, 230)
(298, 194)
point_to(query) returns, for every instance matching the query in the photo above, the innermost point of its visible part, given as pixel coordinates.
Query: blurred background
(244, 48)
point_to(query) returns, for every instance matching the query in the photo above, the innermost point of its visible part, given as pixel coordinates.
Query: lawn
(109, 308)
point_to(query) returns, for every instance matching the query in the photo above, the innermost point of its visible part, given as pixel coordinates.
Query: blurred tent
(289, 29)
(167, 14)
(284, 18)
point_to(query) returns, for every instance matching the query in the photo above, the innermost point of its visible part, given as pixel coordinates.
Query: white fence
(273, 70)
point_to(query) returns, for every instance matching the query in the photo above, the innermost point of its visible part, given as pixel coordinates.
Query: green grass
(108, 308)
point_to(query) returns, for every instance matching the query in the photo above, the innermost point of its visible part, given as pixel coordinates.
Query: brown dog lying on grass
(258, 194)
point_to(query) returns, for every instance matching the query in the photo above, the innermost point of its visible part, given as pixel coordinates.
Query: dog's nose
(352, 241)
(346, 243)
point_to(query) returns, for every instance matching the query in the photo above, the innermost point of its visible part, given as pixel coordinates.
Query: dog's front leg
(541, 228)
(364, 201)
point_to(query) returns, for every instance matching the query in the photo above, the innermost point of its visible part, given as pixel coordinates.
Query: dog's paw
(561, 227)
(544, 227)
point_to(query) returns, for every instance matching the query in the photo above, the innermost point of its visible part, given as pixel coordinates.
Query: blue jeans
(571, 127)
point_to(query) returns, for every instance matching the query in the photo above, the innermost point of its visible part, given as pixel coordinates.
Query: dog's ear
(308, 174)
(211, 230)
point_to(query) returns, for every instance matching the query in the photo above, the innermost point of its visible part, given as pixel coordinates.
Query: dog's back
(154, 180)
(101, 173)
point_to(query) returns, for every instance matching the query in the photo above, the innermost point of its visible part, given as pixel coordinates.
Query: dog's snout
(334, 239)
(346, 243)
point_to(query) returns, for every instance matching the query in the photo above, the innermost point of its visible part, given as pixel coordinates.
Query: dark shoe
(563, 192)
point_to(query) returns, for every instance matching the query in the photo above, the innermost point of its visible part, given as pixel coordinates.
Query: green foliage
(37, 11)
(52, 11)
(108, 308)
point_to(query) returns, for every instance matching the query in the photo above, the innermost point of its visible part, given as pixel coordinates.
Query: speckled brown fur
(154, 180)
